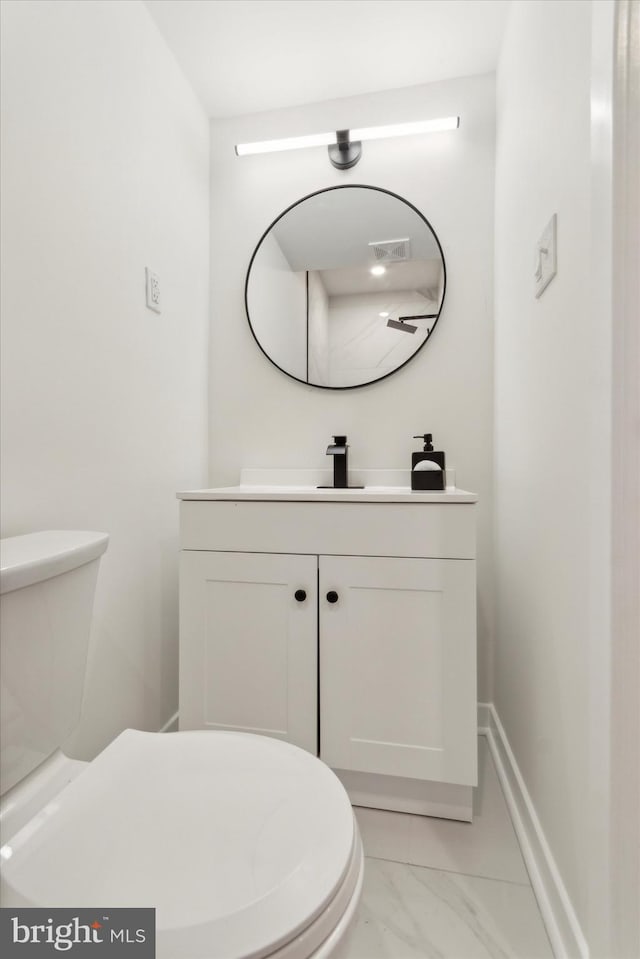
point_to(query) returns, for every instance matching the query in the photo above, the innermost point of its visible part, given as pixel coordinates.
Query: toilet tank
(47, 586)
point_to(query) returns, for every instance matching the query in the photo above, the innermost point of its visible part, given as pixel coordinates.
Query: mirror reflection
(345, 286)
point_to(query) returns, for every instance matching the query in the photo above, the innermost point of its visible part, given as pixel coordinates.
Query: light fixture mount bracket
(344, 153)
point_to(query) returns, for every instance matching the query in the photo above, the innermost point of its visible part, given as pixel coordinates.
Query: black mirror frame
(346, 186)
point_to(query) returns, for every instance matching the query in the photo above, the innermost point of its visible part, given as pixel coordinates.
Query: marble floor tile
(385, 835)
(411, 912)
(486, 847)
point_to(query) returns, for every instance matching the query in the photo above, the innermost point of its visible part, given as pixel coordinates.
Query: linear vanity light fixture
(345, 146)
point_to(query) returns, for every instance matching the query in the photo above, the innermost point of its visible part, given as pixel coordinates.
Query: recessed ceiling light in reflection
(378, 270)
(383, 315)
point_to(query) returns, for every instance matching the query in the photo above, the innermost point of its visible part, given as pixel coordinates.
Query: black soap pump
(427, 467)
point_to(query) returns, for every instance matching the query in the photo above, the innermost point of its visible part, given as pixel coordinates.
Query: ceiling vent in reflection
(391, 251)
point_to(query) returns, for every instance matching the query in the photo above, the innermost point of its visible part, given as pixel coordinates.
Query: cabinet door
(397, 667)
(248, 647)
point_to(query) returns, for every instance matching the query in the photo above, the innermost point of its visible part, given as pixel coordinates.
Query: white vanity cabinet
(248, 647)
(397, 683)
(346, 625)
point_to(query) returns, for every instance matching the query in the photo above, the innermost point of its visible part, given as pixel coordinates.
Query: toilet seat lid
(238, 841)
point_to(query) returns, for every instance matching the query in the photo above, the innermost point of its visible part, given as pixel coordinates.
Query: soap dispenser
(427, 466)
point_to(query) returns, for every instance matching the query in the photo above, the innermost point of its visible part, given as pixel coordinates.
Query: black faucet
(338, 450)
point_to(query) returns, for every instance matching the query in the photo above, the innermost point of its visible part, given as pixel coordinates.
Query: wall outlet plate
(153, 290)
(546, 265)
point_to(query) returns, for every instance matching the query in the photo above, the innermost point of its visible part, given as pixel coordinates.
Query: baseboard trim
(171, 725)
(563, 928)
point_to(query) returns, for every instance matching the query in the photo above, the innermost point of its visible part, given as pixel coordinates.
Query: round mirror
(345, 286)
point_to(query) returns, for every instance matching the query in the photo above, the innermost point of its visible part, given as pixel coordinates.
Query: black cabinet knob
(300, 595)
(332, 596)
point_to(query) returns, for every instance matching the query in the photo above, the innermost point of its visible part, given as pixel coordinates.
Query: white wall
(259, 417)
(277, 304)
(318, 321)
(104, 171)
(552, 442)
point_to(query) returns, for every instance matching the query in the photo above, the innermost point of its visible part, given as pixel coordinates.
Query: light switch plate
(546, 260)
(153, 290)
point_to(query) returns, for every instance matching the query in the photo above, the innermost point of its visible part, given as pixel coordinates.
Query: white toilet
(246, 846)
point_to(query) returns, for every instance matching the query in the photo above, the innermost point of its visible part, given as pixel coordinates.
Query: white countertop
(314, 486)
(370, 494)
